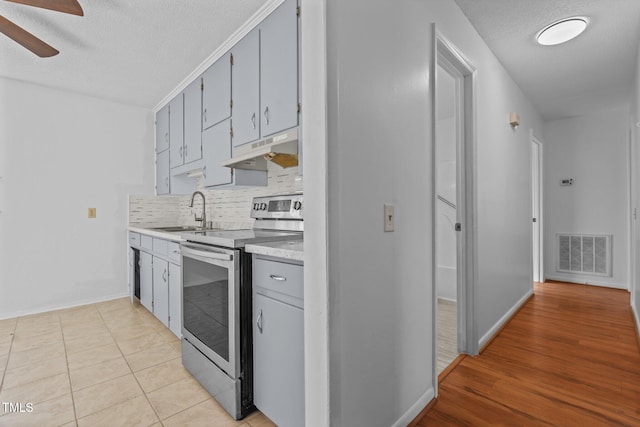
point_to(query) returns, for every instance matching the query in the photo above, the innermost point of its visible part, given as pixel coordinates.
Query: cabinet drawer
(160, 246)
(146, 242)
(174, 252)
(279, 277)
(134, 240)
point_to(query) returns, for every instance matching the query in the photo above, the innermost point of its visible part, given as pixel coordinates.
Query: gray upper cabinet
(279, 70)
(162, 173)
(216, 92)
(216, 147)
(176, 130)
(245, 89)
(192, 122)
(162, 129)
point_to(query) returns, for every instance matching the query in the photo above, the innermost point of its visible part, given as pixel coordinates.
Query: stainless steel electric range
(216, 299)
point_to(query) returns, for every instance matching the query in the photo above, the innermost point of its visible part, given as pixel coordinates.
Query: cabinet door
(162, 173)
(278, 345)
(176, 130)
(161, 290)
(216, 147)
(175, 299)
(162, 129)
(216, 92)
(146, 280)
(245, 89)
(193, 121)
(279, 70)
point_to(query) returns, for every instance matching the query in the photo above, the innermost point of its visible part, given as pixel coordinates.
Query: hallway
(568, 358)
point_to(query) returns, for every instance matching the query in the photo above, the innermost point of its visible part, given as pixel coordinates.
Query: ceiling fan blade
(26, 39)
(65, 6)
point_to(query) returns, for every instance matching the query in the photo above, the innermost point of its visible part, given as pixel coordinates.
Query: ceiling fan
(28, 40)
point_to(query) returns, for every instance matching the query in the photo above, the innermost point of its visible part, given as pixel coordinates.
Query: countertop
(167, 235)
(288, 249)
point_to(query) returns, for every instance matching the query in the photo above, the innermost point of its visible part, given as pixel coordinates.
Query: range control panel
(289, 206)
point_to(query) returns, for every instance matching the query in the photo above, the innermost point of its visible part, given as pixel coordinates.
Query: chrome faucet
(203, 218)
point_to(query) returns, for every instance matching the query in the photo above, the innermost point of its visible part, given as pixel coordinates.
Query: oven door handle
(205, 253)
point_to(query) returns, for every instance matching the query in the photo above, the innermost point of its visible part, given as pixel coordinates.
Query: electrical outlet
(389, 218)
(92, 213)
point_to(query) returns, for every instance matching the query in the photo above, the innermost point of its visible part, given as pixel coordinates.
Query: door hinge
(231, 58)
(299, 107)
(202, 86)
(232, 169)
(231, 104)
(458, 226)
(535, 219)
(298, 11)
(231, 132)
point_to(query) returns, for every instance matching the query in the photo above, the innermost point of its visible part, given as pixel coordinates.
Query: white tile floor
(106, 364)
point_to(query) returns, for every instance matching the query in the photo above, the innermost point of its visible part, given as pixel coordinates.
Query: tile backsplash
(227, 208)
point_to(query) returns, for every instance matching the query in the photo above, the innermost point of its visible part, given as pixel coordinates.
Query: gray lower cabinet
(160, 280)
(175, 299)
(146, 280)
(278, 342)
(161, 290)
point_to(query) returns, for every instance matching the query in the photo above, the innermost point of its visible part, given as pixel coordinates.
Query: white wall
(593, 150)
(61, 153)
(379, 151)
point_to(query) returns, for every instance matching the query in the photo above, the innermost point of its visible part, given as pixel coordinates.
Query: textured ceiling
(591, 72)
(130, 51)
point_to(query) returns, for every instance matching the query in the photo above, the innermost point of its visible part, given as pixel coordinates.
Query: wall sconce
(514, 120)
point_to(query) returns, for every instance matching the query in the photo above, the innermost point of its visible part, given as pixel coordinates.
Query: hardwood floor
(568, 358)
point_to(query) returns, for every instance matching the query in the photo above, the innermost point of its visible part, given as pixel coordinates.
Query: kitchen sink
(179, 228)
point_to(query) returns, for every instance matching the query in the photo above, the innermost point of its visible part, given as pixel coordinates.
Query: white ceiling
(130, 51)
(591, 72)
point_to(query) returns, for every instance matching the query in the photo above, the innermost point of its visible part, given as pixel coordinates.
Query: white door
(536, 203)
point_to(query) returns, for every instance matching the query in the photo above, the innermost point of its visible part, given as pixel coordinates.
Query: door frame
(540, 217)
(444, 51)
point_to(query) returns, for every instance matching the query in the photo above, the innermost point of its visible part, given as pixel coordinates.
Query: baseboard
(448, 299)
(500, 324)
(62, 306)
(586, 282)
(423, 404)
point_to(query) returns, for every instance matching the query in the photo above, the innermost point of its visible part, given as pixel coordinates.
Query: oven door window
(206, 304)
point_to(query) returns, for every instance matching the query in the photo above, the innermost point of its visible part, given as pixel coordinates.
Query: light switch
(92, 213)
(389, 218)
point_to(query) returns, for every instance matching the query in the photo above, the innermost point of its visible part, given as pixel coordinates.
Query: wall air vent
(584, 254)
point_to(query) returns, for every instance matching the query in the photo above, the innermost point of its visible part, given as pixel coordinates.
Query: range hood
(281, 149)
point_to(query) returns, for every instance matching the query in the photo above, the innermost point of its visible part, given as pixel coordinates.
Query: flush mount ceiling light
(562, 31)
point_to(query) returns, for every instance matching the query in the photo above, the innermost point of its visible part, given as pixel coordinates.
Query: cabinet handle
(166, 136)
(204, 115)
(164, 276)
(259, 322)
(176, 252)
(204, 172)
(180, 152)
(253, 120)
(266, 115)
(185, 151)
(166, 182)
(278, 278)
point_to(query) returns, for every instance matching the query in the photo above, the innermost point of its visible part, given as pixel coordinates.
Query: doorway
(536, 204)
(454, 204)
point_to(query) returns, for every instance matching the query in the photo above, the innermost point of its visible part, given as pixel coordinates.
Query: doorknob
(458, 226)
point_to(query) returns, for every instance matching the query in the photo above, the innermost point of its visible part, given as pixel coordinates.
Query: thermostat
(566, 182)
